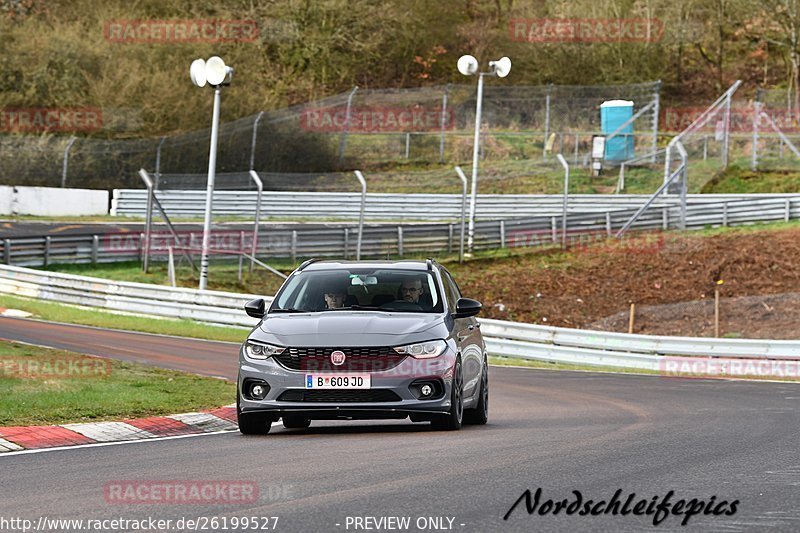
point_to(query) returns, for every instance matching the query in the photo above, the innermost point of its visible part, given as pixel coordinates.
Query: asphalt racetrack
(555, 431)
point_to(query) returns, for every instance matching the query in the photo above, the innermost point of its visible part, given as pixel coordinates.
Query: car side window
(450, 290)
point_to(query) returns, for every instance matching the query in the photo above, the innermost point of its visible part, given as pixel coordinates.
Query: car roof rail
(430, 262)
(307, 262)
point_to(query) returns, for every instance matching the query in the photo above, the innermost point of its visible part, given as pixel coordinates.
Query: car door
(468, 337)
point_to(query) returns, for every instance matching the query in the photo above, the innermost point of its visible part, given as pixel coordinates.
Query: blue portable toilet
(613, 114)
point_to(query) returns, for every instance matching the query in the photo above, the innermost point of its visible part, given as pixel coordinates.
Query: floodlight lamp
(467, 65)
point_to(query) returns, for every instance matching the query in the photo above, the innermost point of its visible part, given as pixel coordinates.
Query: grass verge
(54, 312)
(82, 388)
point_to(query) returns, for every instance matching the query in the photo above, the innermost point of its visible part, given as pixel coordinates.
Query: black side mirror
(255, 308)
(467, 307)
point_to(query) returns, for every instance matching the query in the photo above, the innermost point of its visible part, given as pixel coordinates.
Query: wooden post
(630, 318)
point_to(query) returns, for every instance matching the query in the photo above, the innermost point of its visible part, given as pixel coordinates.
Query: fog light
(426, 390)
(258, 391)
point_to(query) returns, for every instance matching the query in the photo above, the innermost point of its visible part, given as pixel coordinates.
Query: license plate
(338, 381)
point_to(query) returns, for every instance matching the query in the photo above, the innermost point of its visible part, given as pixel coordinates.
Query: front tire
(252, 423)
(480, 414)
(452, 420)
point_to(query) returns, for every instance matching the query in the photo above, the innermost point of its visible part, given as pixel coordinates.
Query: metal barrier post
(7, 251)
(463, 179)
(400, 241)
(546, 120)
(158, 162)
(95, 248)
(754, 154)
(343, 136)
(257, 223)
(566, 196)
(65, 164)
(253, 153)
(148, 219)
(47, 251)
(363, 182)
(444, 123)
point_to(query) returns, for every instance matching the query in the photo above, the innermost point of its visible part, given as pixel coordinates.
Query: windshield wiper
(289, 310)
(357, 307)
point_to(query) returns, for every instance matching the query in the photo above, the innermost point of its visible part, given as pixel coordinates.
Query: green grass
(740, 179)
(54, 312)
(544, 365)
(105, 390)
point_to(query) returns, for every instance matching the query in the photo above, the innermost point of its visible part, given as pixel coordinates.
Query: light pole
(468, 65)
(216, 73)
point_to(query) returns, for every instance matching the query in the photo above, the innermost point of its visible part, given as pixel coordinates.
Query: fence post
(148, 223)
(294, 245)
(7, 251)
(95, 248)
(400, 241)
(346, 241)
(725, 214)
(608, 223)
(727, 124)
(343, 136)
(575, 158)
(754, 154)
(656, 111)
(241, 257)
(257, 223)
(444, 123)
(502, 234)
(705, 147)
(449, 238)
(158, 161)
(463, 179)
(65, 164)
(363, 182)
(787, 212)
(408, 143)
(253, 151)
(554, 229)
(546, 120)
(47, 251)
(566, 196)
(665, 217)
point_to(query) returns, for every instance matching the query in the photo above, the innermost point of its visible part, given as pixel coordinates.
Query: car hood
(354, 328)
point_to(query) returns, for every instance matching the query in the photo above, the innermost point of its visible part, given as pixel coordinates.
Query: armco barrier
(397, 240)
(528, 341)
(400, 207)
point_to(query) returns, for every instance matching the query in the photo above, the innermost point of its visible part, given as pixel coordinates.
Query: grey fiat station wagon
(364, 340)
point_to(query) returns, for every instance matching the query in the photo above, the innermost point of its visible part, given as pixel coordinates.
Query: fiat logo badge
(337, 358)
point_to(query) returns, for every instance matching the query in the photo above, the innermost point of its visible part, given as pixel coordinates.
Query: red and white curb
(37, 437)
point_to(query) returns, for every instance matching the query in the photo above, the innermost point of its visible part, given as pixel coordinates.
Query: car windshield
(382, 289)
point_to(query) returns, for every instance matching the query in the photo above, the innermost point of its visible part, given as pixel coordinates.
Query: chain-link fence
(366, 129)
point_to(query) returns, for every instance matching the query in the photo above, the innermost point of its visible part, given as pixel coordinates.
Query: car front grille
(340, 396)
(358, 359)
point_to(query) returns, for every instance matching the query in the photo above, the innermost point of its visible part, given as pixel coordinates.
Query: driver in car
(335, 297)
(411, 290)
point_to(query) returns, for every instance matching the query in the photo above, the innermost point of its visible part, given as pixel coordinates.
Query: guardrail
(401, 239)
(514, 339)
(395, 207)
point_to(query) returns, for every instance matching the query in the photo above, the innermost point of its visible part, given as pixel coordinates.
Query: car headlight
(260, 350)
(423, 350)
